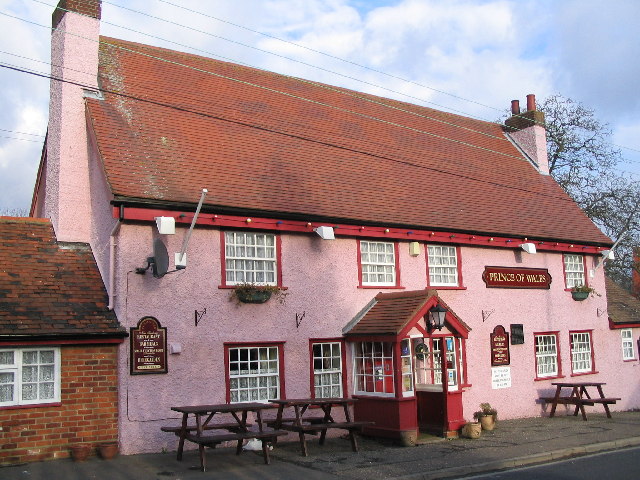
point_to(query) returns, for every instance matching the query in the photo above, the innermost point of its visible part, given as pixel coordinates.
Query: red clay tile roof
(622, 307)
(392, 312)
(312, 151)
(49, 289)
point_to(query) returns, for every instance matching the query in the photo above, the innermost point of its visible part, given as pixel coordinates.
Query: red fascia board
(345, 230)
(93, 341)
(615, 326)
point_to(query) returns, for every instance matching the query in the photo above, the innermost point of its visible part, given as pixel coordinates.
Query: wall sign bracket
(199, 315)
(487, 313)
(299, 319)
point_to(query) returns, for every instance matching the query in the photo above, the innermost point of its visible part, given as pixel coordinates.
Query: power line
(21, 133)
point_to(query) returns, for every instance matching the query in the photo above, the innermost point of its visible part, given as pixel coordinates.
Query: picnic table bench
(313, 424)
(237, 431)
(579, 397)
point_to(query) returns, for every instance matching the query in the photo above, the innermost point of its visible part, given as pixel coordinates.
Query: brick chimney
(635, 272)
(74, 58)
(527, 130)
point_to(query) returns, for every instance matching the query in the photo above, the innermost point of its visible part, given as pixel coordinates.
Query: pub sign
(514, 277)
(499, 347)
(148, 347)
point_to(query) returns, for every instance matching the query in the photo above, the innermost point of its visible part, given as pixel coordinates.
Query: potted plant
(581, 292)
(80, 452)
(255, 293)
(486, 416)
(108, 450)
(472, 430)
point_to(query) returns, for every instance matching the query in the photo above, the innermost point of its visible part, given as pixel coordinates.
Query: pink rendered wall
(67, 177)
(322, 279)
(533, 140)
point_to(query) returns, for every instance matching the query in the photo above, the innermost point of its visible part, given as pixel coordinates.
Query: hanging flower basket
(252, 293)
(579, 296)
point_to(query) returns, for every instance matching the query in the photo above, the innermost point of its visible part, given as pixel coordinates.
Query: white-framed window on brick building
(574, 270)
(253, 372)
(378, 263)
(442, 263)
(581, 352)
(547, 364)
(250, 257)
(327, 369)
(628, 352)
(29, 376)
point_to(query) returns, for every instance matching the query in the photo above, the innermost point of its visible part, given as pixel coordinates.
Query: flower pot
(488, 422)
(471, 430)
(108, 450)
(579, 296)
(80, 452)
(253, 296)
(408, 438)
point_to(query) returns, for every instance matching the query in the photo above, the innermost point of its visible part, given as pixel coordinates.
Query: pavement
(513, 443)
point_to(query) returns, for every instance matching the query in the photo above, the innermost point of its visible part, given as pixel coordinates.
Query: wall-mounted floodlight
(608, 255)
(528, 247)
(166, 225)
(326, 233)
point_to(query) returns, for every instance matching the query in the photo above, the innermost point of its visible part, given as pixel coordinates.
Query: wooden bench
(212, 440)
(581, 402)
(311, 420)
(231, 426)
(313, 428)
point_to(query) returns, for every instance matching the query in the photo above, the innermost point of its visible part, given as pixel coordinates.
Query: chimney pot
(531, 102)
(515, 107)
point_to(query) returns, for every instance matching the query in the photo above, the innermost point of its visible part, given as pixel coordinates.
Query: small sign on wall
(515, 277)
(499, 347)
(500, 377)
(148, 343)
(517, 334)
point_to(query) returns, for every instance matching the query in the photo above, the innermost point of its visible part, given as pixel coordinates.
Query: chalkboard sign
(517, 334)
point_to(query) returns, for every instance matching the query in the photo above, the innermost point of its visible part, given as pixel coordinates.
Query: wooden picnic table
(305, 422)
(206, 433)
(579, 397)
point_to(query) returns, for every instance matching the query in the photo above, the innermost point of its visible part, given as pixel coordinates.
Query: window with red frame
(378, 263)
(442, 263)
(250, 257)
(254, 372)
(574, 270)
(327, 369)
(581, 352)
(547, 358)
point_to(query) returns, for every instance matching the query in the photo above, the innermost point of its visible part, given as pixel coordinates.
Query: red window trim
(396, 251)
(281, 373)
(584, 270)
(460, 285)
(558, 356)
(343, 359)
(223, 263)
(593, 355)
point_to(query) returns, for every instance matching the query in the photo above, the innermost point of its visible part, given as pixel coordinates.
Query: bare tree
(14, 212)
(582, 160)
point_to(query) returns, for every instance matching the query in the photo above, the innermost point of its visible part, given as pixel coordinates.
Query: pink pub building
(425, 262)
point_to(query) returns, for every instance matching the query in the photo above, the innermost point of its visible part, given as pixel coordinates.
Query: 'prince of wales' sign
(508, 277)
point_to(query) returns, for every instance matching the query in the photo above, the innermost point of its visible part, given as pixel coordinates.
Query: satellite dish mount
(159, 262)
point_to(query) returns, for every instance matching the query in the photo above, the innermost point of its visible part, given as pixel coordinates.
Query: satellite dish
(159, 263)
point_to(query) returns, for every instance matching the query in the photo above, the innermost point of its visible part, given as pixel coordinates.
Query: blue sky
(468, 56)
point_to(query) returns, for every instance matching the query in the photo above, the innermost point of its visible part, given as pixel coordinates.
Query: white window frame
(373, 367)
(259, 380)
(628, 350)
(443, 262)
(547, 364)
(17, 370)
(327, 369)
(574, 270)
(581, 352)
(250, 257)
(375, 263)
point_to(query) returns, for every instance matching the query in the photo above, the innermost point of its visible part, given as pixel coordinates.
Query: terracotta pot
(408, 438)
(472, 430)
(108, 450)
(79, 453)
(488, 422)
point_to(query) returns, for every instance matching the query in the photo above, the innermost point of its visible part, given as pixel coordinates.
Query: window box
(252, 293)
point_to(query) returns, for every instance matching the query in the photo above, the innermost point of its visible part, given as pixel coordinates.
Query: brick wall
(88, 412)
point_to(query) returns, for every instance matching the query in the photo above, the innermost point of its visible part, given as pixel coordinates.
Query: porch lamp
(436, 316)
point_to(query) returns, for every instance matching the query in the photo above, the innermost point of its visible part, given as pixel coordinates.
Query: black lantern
(437, 314)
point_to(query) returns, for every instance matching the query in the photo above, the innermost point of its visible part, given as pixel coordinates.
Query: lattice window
(574, 270)
(443, 266)
(29, 376)
(254, 374)
(546, 355)
(250, 258)
(581, 355)
(327, 369)
(378, 262)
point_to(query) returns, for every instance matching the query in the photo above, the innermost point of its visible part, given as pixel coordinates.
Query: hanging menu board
(499, 347)
(148, 347)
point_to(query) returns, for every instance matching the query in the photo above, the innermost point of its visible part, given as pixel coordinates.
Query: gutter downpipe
(112, 258)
